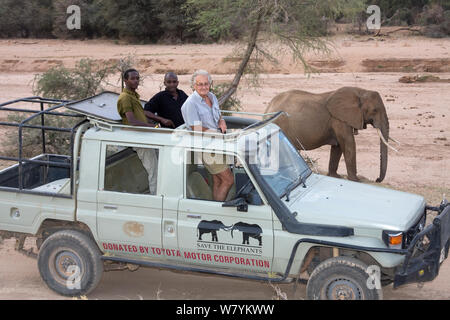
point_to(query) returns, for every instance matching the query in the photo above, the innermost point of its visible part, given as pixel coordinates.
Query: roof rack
(54, 105)
(246, 125)
(101, 111)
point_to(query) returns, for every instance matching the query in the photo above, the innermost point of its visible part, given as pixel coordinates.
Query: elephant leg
(257, 237)
(350, 160)
(214, 236)
(346, 141)
(335, 157)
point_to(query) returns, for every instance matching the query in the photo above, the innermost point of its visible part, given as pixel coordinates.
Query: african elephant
(248, 230)
(210, 227)
(333, 118)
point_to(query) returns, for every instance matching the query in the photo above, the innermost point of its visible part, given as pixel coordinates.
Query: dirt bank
(348, 54)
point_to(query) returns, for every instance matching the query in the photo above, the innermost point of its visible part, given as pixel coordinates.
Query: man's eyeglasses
(171, 81)
(206, 84)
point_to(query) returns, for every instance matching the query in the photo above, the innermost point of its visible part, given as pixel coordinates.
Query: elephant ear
(345, 105)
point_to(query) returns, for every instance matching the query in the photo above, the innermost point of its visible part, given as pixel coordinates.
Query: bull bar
(425, 267)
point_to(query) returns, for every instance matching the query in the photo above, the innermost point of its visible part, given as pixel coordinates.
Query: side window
(200, 184)
(131, 170)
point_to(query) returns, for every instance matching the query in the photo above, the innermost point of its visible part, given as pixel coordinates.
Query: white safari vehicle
(90, 210)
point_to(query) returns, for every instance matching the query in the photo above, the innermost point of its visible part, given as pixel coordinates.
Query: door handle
(110, 207)
(194, 216)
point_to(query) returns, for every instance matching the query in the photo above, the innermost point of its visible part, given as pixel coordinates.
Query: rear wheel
(342, 278)
(69, 263)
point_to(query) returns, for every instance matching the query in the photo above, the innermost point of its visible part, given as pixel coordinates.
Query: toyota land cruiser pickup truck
(90, 210)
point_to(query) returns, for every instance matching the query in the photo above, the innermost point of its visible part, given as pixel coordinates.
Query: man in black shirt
(167, 104)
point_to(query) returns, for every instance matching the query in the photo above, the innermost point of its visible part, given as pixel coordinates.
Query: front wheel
(342, 278)
(69, 263)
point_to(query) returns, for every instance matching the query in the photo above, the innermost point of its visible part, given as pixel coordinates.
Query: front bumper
(422, 267)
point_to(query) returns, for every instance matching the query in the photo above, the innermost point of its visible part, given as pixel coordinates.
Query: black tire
(69, 263)
(341, 278)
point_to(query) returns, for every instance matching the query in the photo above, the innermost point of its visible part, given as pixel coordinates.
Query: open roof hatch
(102, 106)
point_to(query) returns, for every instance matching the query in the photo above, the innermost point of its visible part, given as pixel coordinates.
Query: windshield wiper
(294, 185)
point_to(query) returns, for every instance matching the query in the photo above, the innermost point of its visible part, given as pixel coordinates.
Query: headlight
(414, 230)
(393, 239)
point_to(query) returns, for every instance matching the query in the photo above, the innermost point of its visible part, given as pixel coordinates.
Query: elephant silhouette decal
(248, 230)
(210, 227)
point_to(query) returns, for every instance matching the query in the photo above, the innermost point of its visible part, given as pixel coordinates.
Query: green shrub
(56, 142)
(84, 81)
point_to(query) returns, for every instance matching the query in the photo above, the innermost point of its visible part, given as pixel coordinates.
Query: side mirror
(239, 203)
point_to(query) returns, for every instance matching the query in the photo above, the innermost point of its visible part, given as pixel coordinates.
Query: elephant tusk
(394, 140)
(384, 140)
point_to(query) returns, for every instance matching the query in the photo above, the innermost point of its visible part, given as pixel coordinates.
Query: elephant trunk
(384, 136)
(227, 228)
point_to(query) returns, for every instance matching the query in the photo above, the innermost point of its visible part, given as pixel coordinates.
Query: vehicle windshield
(279, 163)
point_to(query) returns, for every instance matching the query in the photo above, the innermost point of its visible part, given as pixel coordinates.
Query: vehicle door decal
(248, 231)
(237, 247)
(211, 227)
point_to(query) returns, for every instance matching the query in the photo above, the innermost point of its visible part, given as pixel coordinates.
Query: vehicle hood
(332, 201)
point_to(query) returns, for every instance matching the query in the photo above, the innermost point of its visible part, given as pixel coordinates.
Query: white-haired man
(201, 113)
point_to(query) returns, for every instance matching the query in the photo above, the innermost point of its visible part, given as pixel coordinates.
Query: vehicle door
(129, 207)
(214, 236)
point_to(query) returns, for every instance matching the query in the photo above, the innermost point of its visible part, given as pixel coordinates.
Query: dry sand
(419, 116)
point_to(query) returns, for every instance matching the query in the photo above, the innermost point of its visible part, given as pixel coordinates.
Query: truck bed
(37, 176)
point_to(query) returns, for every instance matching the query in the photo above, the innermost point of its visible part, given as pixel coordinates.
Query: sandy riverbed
(419, 116)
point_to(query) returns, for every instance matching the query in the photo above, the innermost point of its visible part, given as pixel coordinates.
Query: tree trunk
(248, 53)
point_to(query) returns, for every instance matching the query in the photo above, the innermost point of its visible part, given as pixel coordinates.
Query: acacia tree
(298, 25)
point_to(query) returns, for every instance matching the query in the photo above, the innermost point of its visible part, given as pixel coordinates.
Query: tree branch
(248, 53)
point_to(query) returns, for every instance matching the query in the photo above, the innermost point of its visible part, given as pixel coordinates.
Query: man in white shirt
(201, 113)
